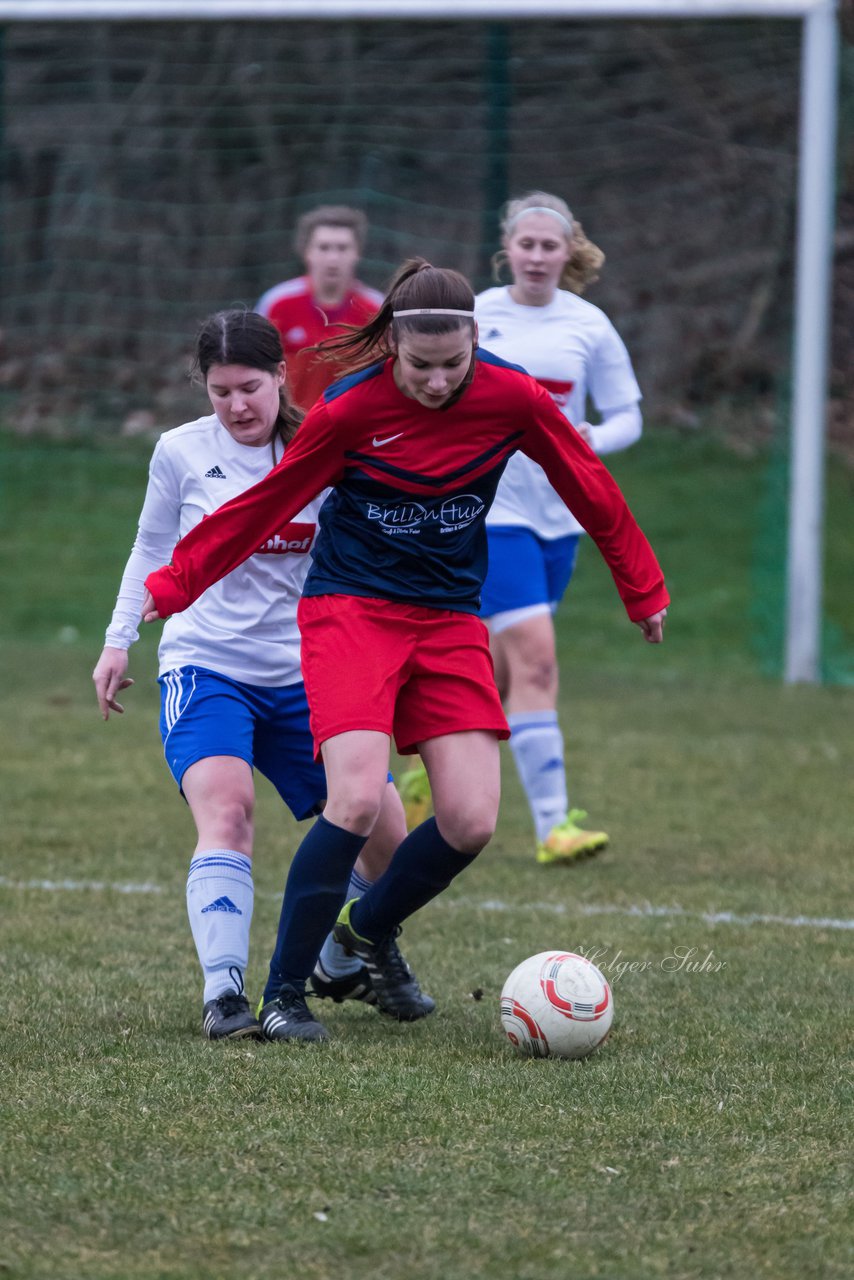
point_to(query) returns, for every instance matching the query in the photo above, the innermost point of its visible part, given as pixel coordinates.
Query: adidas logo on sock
(223, 904)
(215, 473)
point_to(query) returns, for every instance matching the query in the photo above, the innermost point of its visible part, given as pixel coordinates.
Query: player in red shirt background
(329, 240)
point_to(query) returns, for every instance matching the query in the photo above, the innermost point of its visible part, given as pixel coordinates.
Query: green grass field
(705, 1139)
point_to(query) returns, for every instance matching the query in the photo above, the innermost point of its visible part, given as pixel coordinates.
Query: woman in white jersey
(540, 322)
(232, 697)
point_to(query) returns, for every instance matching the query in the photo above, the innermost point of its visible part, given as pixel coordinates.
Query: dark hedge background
(153, 172)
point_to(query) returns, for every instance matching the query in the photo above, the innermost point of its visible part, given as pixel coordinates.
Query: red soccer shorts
(401, 669)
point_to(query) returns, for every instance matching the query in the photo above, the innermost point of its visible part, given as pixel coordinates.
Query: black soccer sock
(422, 867)
(314, 894)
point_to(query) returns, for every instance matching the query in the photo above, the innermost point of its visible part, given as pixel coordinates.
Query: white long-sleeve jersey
(245, 626)
(574, 351)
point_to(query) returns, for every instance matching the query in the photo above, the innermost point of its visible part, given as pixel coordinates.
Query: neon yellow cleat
(414, 789)
(569, 843)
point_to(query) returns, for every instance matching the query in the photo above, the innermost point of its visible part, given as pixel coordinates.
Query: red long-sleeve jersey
(412, 485)
(302, 322)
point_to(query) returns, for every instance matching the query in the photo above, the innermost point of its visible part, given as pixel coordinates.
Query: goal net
(153, 171)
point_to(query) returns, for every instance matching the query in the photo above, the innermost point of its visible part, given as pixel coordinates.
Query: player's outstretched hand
(653, 627)
(149, 612)
(109, 677)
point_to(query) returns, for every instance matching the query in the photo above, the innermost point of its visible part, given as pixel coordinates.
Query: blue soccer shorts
(526, 572)
(203, 713)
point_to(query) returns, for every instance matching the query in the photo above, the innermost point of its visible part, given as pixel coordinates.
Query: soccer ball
(556, 1005)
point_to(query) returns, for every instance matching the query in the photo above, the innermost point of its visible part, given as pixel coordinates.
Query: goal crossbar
(213, 10)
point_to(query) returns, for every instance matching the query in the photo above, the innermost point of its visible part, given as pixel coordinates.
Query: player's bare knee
(541, 674)
(232, 820)
(533, 671)
(468, 832)
(355, 806)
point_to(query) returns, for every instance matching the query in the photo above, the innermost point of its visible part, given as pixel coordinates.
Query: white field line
(77, 886)
(643, 909)
(648, 909)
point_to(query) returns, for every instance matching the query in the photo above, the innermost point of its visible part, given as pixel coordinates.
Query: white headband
(540, 208)
(432, 311)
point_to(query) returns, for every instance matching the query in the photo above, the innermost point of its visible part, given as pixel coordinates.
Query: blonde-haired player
(541, 322)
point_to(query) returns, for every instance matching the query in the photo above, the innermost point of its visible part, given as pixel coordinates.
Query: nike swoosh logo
(378, 444)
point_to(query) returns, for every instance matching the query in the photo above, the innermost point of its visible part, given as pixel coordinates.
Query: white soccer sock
(333, 958)
(220, 897)
(537, 745)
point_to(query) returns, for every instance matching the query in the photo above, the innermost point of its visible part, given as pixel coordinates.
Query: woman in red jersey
(414, 443)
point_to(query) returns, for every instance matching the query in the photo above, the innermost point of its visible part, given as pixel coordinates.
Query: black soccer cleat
(287, 1017)
(350, 986)
(228, 1017)
(395, 985)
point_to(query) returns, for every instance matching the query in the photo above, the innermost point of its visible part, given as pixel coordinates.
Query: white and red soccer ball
(556, 1005)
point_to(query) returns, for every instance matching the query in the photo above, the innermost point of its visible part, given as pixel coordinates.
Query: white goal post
(817, 141)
